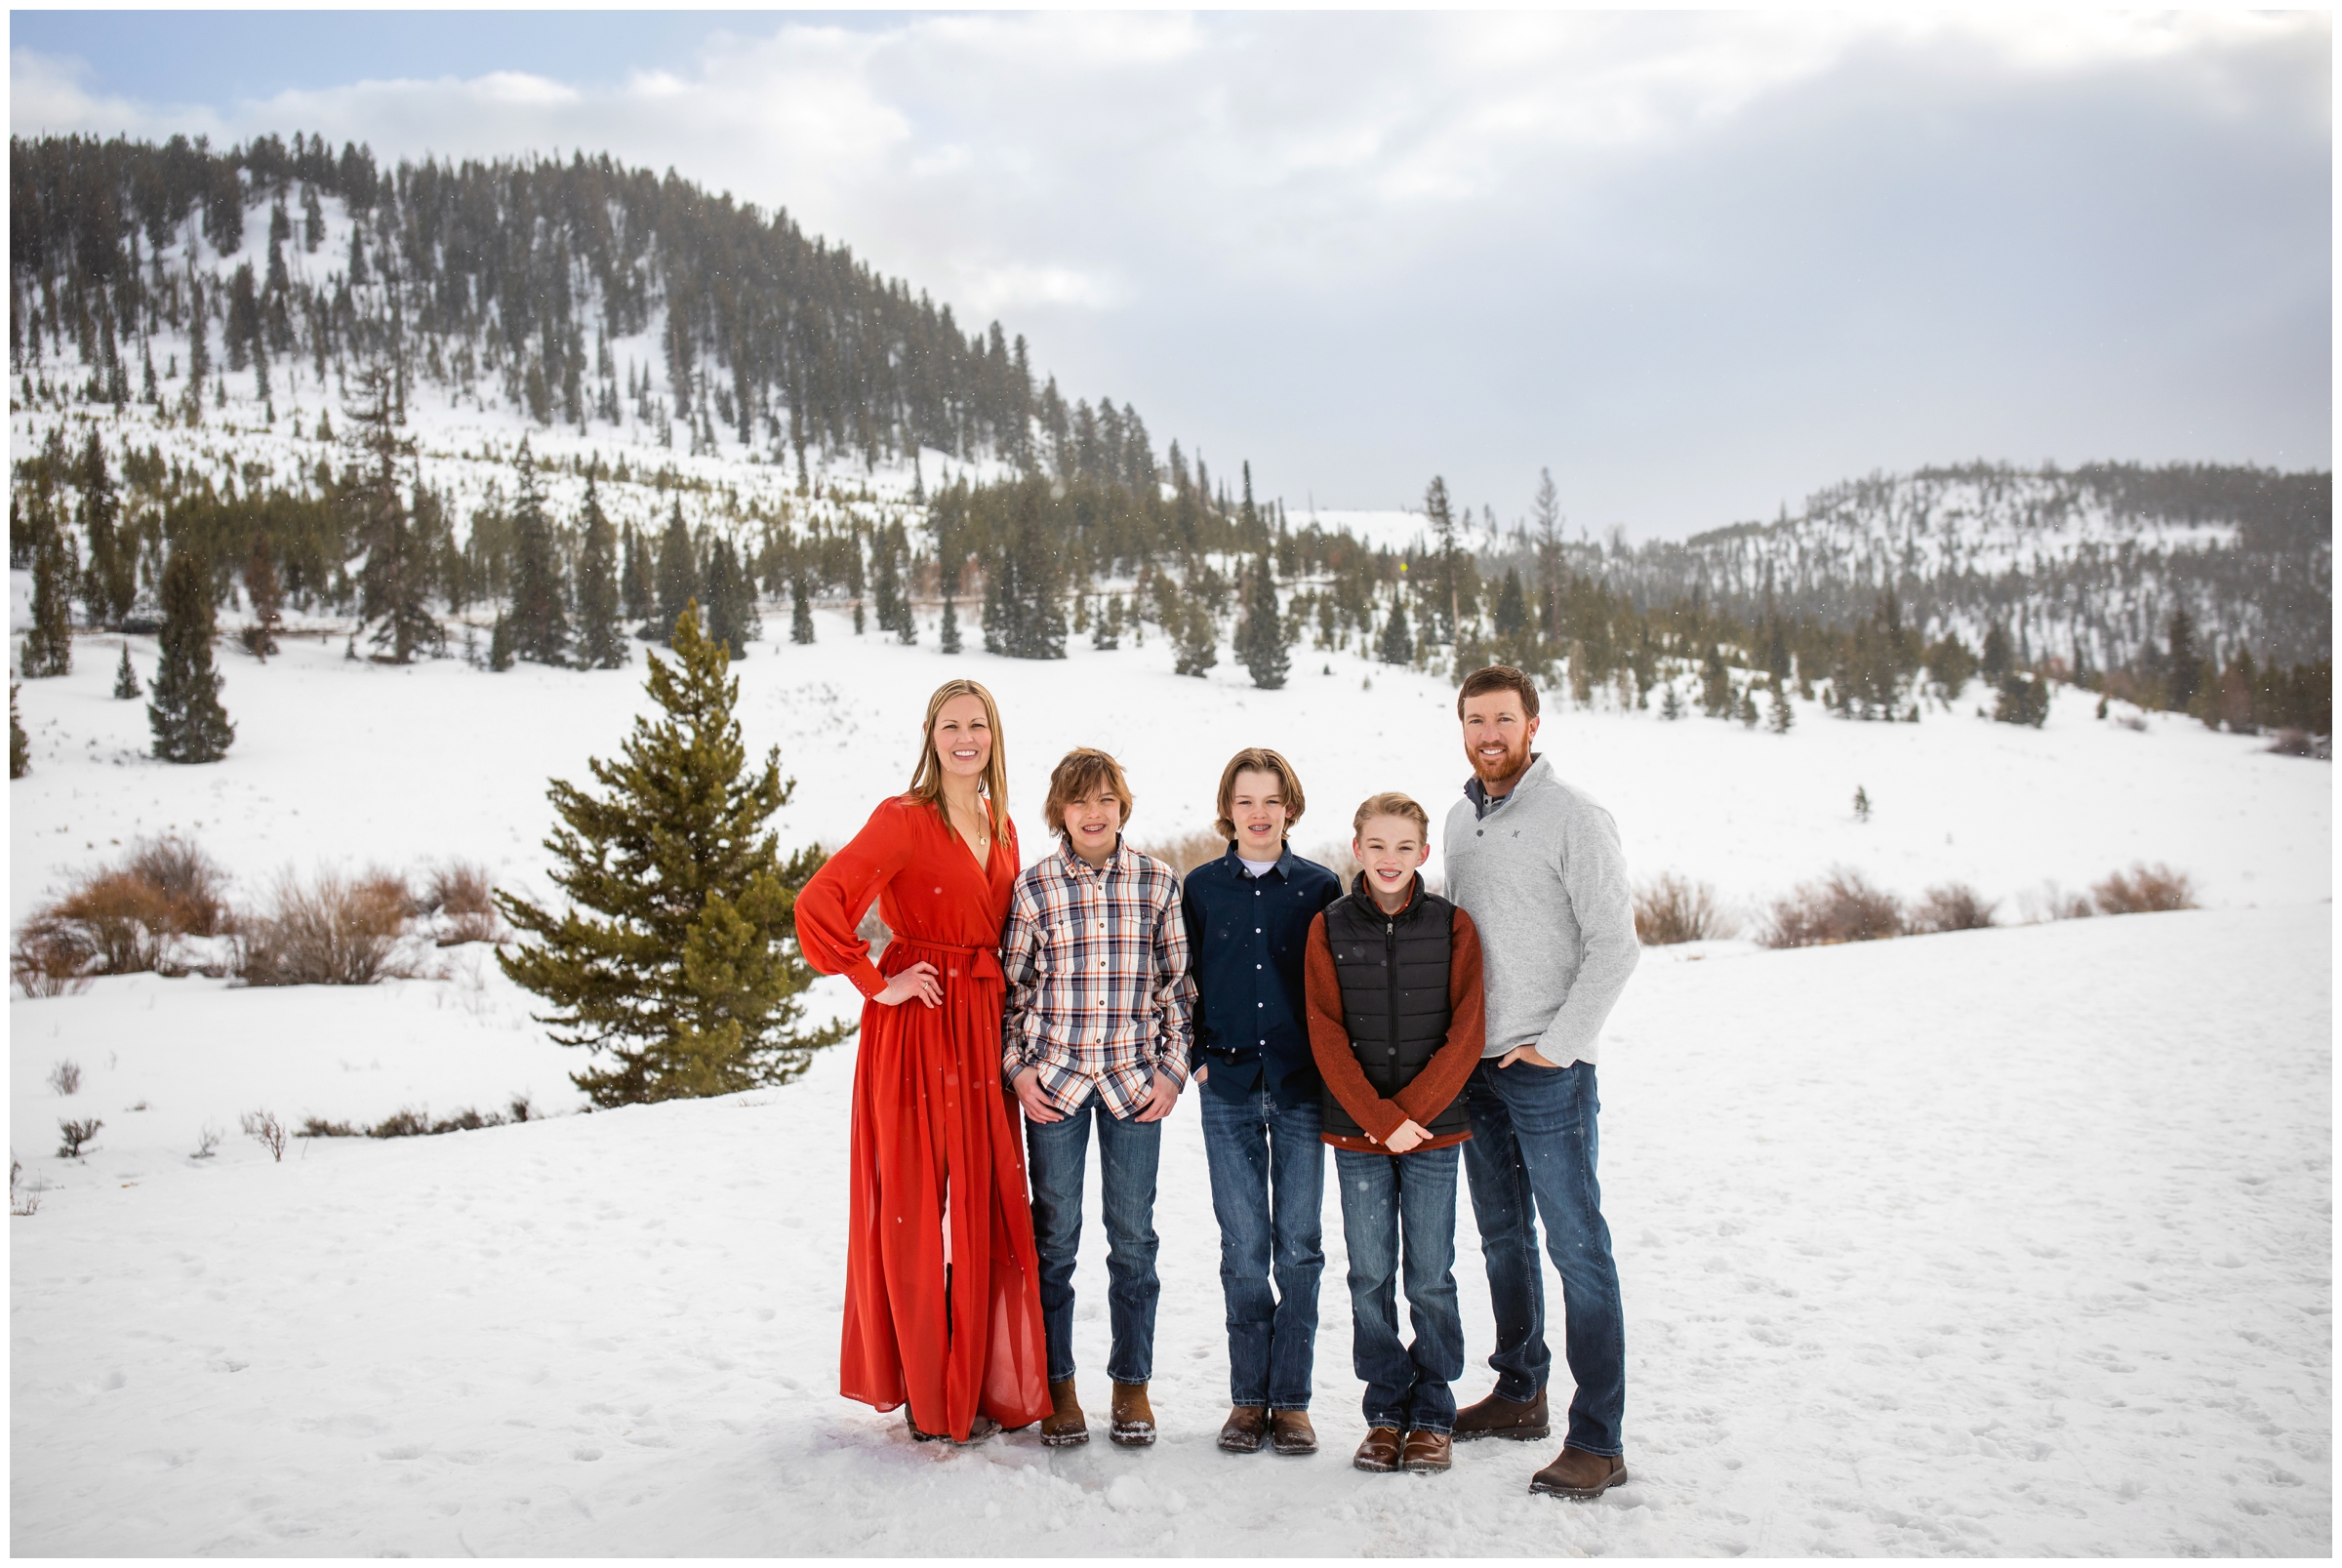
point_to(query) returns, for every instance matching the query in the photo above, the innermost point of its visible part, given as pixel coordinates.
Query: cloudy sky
(1698, 266)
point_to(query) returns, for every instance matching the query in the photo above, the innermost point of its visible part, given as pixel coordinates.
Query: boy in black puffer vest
(1393, 985)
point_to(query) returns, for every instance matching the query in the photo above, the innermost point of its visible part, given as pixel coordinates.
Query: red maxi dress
(934, 1143)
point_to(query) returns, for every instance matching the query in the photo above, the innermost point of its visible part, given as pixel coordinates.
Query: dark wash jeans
(1532, 1157)
(1268, 1166)
(1056, 1155)
(1385, 1198)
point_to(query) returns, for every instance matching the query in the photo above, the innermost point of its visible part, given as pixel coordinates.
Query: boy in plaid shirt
(1096, 1030)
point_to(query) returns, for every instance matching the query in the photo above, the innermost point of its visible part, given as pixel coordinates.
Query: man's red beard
(1515, 762)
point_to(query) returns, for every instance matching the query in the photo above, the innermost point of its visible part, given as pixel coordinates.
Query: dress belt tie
(980, 963)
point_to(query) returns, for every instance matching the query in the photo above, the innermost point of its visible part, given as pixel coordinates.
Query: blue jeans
(1057, 1153)
(1385, 1197)
(1268, 1166)
(1532, 1157)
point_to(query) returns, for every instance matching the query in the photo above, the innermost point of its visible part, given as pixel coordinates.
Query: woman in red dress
(943, 1293)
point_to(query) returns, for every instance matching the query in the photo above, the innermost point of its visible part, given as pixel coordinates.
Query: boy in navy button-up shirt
(1248, 917)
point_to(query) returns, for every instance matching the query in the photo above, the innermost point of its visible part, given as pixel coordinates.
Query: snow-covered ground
(2015, 1242)
(2009, 1242)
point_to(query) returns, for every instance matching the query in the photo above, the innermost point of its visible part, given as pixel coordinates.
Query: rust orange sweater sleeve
(1443, 1077)
(1329, 1041)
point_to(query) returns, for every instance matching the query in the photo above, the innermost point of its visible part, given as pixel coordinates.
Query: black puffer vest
(1393, 974)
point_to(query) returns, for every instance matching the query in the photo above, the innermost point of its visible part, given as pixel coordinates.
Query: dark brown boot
(1580, 1475)
(1246, 1430)
(1291, 1432)
(1065, 1424)
(1424, 1452)
(1379, 1453)
(1521, 1419)
(1134, 1417)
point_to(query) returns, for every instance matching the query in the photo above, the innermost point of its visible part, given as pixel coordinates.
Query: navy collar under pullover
(1247, 938)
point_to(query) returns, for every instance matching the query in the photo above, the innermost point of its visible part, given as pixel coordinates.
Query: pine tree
(539, 605)
(886, 580)
(731, 600)
(1716, 685)
(599, 644)
(2184, 661)
(1745, 709)
(111, 583)
(677, 957)
(800, 615)
(47, 648)
(947, 637)
(1024, 609)
(1511, 608)
(266, 598)
(499, 643)
(1782, 715)
(1106, 627)
(678, 573)
(1196, 641)
(1398, 647)
(1671, 707)
(186, 719)
(634, 580)
(126, 678)
(1862, 804)
(395, 585)
(1261, 637)
(1999, 656)
(19, 745)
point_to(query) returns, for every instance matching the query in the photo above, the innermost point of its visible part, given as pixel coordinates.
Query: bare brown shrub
(264, 1129)
(119, 920)
(2145, 890)
(1951, 906)
(1337, 859)
(463, 897)
(1674, 908)
(1843, 906)
(1189, 850)
(331, 932)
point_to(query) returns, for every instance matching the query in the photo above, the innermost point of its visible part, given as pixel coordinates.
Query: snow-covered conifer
(186, 719)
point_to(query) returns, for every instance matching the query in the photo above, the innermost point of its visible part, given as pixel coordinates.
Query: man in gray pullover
(1537, 865)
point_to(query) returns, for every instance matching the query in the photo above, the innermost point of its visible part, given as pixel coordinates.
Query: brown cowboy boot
(1065, 1424)
(1246, 1430)
(1291, 1432)
(1521, 1419)
(1379, 1453)
(1426, 1452)
(1134, 1417)
(1580, 1475)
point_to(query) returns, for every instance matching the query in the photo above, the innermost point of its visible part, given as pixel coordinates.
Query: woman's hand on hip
(918, 981)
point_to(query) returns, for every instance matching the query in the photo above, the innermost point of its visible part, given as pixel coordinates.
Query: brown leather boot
(1134, 1417)
(1246, 1430)
(1580, 1475)
(1290, 1430)
(1521, 1419)
(1426, 1452)
(1379, 1453)
(1065, 1424)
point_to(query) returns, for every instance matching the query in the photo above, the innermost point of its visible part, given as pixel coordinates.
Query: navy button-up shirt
(1247, 937)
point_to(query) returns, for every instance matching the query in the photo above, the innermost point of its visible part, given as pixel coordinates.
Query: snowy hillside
(1923, 1254)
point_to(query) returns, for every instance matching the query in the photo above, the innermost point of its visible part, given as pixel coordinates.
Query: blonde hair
(927, 784)
(1259, 759)
(1391, 803)
(1078, 772)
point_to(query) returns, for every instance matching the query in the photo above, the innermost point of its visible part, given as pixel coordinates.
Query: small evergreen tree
(1671, 707)
(1106, 628)
(729, 601)
(539, 605)
(1745, 709)
(1952, 665)
(947, 637)
(677, 958)
(47, 648)
(886, 580)
(499, 643)
(599, 643)
(2023, 700)
(266, 598)
(394, 583)
(677, 573)
(1716, 685)
(186, 719)
(1511, 609)
(111, 583)
(634, 580)
(1024, 609)
(19, 745)
(800, 615)
(1862, 804)
(1998, 654)
(2184, 663)
(125, 679)
(1197, 644)
(1396, 647)
(1782, 715)
(1261, 636)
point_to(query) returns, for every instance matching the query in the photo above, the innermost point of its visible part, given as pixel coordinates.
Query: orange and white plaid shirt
(1098, 989)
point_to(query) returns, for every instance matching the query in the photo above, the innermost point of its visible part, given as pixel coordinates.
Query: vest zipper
(1391, 967)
